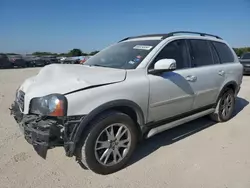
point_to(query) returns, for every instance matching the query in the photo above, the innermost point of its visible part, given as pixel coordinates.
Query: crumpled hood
(65, 78)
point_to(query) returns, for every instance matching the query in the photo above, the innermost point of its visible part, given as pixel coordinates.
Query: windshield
(123, 55)
(246, 56)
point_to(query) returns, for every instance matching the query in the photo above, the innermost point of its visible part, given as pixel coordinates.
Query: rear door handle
(191, 78)
(221, 73)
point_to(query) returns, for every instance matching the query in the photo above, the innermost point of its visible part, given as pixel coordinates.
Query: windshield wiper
(97, 65)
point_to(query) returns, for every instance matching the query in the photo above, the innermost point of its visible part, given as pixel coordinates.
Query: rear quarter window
(224, 52)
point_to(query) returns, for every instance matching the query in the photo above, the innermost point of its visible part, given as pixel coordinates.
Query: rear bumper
(246, 70)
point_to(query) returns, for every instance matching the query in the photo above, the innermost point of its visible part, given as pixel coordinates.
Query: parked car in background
(17, 61)
(85, 59)
(29, 60)
(54, 60)
(50, 60)
(62, 59)
(38, 62)
(245, 61)
(134, 89)
(69, 60)
(76, 61)
(4, 61)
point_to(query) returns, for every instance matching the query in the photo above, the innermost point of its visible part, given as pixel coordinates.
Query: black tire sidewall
(97, 128)
(230, 91)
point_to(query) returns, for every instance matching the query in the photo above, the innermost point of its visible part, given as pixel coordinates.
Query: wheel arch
(232, 85)
(229, 85)
(125, 106)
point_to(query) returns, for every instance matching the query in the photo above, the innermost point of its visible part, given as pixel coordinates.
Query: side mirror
(163, 65)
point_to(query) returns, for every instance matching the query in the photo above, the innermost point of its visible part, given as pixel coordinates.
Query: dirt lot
(195, 155)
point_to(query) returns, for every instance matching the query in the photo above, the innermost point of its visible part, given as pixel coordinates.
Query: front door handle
(221, 73)
(191, 78)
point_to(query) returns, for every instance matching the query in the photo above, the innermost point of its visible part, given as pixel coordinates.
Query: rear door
(208, 73)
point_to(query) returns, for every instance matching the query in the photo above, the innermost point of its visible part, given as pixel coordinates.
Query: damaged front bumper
(47, 132)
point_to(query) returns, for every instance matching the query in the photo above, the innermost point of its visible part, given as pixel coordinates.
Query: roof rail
(191, 32)
(142, 36)
(164, 36)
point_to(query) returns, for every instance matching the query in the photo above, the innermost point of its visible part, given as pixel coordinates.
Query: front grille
(20, 99)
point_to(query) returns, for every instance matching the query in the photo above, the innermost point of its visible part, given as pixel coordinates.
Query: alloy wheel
(226, 105)
(112, 144)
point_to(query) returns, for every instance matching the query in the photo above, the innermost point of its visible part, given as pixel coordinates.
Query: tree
(44, 53)
(93, 53)
(11, 54)
(75, 52)
(84, 54)
(240, 51)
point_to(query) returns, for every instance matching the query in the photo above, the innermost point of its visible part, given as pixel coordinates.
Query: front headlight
(50, 105)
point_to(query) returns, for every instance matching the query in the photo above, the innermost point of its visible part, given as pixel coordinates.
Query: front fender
(102, 109)
(109, 105)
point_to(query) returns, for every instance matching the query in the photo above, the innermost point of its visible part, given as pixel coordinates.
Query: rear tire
(225, 107)
(102, 149)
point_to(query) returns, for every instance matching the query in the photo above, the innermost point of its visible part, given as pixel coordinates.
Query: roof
(166, 35)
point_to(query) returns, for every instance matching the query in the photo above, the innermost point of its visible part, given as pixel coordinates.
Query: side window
(214, 54)
(176, 50)
(224, 52)
(200, 53)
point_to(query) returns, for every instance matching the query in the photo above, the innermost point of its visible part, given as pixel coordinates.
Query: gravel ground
(199, 154)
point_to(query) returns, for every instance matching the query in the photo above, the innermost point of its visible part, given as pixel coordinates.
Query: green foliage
(240, 51)
(11, 54)
(75, 52)
(44, 54)
(71, 53)
(93, 53)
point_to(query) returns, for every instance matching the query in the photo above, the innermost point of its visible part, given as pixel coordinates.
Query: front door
(170, 92)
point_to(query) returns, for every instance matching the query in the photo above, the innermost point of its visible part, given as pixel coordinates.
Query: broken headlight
(50, 105)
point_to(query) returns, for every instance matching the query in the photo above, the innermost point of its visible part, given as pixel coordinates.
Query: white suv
(131, 90)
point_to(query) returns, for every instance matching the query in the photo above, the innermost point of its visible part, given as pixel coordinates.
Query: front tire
(108, 144)
(225, 107)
